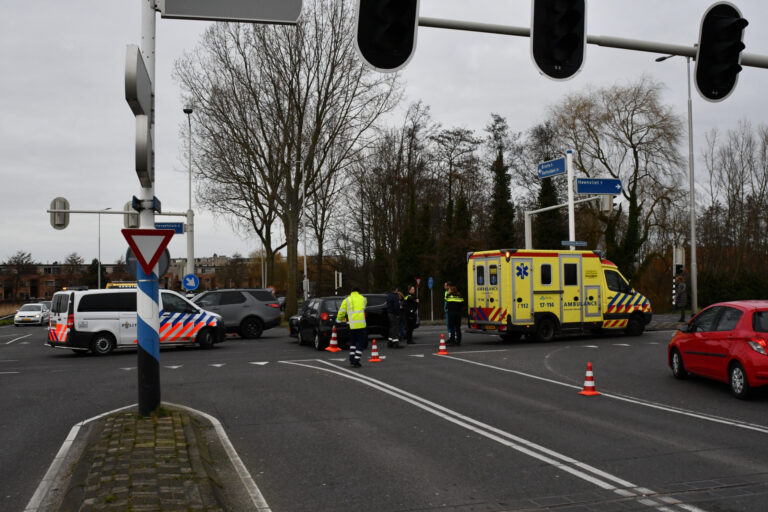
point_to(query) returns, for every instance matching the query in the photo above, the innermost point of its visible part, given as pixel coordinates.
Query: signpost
(190, 282)
(430, 284)
(551, 168)
(176, 227)
(598, 186)
(259, 11)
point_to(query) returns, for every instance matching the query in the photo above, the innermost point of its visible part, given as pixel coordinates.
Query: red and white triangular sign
(148, 245)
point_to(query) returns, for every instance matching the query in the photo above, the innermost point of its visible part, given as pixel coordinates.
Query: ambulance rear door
(487, 278)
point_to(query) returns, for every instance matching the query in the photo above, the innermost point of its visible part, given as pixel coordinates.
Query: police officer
(393, 317)
(455, 304)
(411, 312)
(353, 308)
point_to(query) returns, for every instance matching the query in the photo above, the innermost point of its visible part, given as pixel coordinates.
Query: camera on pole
(718, 59)
(386, 32)
(559, 36)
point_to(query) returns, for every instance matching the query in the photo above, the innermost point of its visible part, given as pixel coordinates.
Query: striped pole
(148, 329)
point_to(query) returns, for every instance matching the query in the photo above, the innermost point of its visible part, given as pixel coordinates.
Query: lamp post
(694, 280)
(99, 249)
(190, 214)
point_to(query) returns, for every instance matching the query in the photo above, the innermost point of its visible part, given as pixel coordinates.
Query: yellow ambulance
(541, 293)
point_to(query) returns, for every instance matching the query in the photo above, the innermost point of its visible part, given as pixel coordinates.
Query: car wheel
(545, 330)
(102, 344)
(635, 326)
(737, 378)
(205, 339)
(678, 368)
(251, 328)
(318, 342)
(299, 338)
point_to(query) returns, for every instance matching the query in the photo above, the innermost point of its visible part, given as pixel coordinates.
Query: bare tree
(20, 264)
(286, 106)
(73, 269)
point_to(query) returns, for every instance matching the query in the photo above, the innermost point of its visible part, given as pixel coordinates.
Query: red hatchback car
(728, 342)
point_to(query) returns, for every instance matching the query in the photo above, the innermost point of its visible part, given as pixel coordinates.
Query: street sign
(148, 245)
(598, 186)
(138, 86)
(418, 282)
(177, 227)
(131, 262)
(258, 11)
(552, 168)
(430, 283)
(190, 282)
(575, 243)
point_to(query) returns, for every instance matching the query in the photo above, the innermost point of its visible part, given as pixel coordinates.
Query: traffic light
(130, 217)
(719, 51)
(59, 220)
(386, 32)
(559, 36)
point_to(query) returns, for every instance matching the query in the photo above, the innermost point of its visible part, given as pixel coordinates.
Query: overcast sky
(66, 130)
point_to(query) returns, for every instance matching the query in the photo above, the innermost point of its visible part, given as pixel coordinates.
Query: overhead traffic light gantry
(559, 36)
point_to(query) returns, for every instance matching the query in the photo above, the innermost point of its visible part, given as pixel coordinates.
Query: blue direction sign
(598, 186)
(177, 227)
(430, 283)
(190, 282)
(552, 168)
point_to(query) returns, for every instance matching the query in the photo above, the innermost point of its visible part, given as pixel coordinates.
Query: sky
(67, 131)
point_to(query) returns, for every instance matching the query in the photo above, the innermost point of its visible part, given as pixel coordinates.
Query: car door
(308, 320)
(694, 346)
(176, 319)
(719, 344)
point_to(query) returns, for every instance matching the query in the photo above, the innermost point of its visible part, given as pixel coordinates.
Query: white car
(31, 314)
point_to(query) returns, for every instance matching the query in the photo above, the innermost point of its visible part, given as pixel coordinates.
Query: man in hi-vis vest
(353, 308)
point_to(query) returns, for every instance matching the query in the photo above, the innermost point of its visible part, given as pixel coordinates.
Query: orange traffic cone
(589, 383)
(334, 346)
(374, 353)
(442, 351)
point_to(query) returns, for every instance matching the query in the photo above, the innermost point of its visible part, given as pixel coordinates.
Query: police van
(101, 321)
(542, 293)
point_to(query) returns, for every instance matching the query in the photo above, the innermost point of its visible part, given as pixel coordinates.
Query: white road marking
(8, 360)
(621, 345)
(416, 355)
(176, 367)
(217, 365)
(261, 363)
(8, 373)
(17, 339)
(555, 459)
(128, 369)
(590, 346)
(637, 401)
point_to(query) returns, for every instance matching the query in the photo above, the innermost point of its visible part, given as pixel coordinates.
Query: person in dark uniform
(393, 318)
(681, 296)
(455, 305)
(411, 312)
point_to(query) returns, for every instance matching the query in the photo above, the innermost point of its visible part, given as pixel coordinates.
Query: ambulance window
(546, 274)
(570, 274)
(493, 277)
(480, 276)
(614, 281)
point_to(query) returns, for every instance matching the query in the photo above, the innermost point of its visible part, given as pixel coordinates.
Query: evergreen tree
(550, 227)
(502, 227)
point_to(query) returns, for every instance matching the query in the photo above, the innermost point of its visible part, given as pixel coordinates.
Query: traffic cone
(334, 346)
(442, 351)
(589, 383)
(374, 353)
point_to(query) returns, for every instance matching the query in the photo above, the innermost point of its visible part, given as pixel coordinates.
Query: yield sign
(148, 245)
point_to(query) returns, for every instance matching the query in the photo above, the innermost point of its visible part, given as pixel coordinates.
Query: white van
(101, 321)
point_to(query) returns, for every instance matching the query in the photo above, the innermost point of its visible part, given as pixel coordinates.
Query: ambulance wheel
(251, 328)
(545, 330)
(205, 339)
(102, 344)
(635, 326)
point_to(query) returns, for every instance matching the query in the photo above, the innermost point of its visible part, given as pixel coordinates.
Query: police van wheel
(102, 344)
(251, 328)
(545, 330)
(205, 339)
(635, 326)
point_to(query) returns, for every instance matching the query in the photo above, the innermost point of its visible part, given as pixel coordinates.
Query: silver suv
(246, 311)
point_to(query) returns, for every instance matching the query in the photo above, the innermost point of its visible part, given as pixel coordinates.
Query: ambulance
(101, 321)
(542, 293)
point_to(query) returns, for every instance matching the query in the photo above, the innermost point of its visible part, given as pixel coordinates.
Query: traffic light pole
(747, 59)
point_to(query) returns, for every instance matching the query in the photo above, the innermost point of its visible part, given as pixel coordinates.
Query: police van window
(107, 302)
(728, 319)
(480, 276)
(493, 277)
(174, 304)
(59, 304)
(545, 274)
(570, 274)
(614, 281)
(231, 298)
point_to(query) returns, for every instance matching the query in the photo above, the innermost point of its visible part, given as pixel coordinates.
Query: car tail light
(273, 304)
(71, 321)
(759, 345)
(324, 317)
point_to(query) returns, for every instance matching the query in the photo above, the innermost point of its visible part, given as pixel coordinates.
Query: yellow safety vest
(353, 307)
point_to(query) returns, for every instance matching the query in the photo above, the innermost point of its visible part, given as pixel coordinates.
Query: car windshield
(31, 307)
(760, 321)
(332, 305)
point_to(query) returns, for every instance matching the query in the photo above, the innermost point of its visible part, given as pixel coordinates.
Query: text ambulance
(541, 293)
(103, 320)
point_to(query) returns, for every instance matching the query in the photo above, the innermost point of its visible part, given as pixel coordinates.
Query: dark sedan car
(315, 321)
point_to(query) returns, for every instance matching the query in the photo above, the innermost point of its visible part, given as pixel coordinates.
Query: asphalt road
(490, 427)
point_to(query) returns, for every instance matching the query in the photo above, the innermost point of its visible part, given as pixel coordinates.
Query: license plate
(26, 319)
(490, 327)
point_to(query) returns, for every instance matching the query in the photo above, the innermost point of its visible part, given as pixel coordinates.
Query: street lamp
(694, 280)
(190, 215)
(99, 243)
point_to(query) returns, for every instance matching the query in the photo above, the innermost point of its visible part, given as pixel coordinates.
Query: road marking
(17, 339)
(128, 369)
(176, 367)
(8, 373)
(589, 346)
(217, 365)
(621, 345)
(260, 363)
(8, 360)
(637, 401)
(555, 459)
(416, 355)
